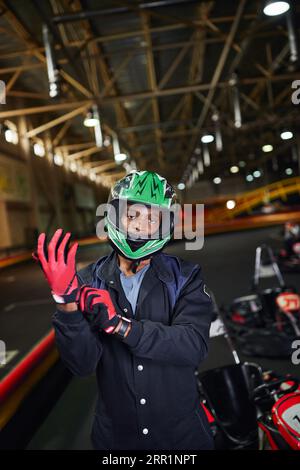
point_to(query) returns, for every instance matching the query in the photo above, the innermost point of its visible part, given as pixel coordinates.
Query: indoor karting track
(227, 261)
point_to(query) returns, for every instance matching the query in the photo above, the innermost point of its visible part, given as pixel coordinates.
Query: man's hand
(98, 307)
(58, 265)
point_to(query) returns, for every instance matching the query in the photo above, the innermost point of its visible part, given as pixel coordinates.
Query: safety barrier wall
(245, 202)
(18, 383)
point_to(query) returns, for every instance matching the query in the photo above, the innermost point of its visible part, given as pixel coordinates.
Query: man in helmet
(291, 236)
(138, 206)
(137, 317)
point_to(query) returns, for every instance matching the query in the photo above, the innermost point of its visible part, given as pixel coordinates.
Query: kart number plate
(296, 248)
(292, 417)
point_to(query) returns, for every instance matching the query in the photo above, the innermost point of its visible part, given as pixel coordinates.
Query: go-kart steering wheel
(267, 387)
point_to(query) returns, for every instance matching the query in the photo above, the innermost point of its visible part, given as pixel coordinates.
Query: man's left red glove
(100, 311)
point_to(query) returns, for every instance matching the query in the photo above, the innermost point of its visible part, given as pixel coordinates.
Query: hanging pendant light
(118, 155)
(206, 155)
(218, 134)
(97, 127)
(233, 82)
(52, 68)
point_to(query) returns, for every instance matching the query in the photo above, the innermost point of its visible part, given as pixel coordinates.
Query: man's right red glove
(58, 266)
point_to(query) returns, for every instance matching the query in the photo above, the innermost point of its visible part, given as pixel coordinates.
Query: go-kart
(280, 425)
(266, 321)
(246, 407)
(289, 260)
(251, 409)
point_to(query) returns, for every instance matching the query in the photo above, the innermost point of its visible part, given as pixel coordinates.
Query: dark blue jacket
(147, 390)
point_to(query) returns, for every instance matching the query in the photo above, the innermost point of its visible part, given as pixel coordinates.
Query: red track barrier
(25, 366)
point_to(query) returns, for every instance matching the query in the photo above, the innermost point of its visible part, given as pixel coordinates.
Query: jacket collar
(106, 271)
(109, 268)
(161, 267)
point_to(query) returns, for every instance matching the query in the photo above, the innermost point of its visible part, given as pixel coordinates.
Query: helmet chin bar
(119, 252)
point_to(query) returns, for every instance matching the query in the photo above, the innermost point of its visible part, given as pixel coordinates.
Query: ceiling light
(39, 149)
(249, 178)
(234, 169)
(286, 135)
(230, 204)
(91, 120)
(118, 155)
(181, 186)
(207, 138)
(256, 174)
(289, 171)
(106, 141)
(73, 167)
(267, 148)
(11, 136)
(217, 180)
(58, 159)
(274, 8)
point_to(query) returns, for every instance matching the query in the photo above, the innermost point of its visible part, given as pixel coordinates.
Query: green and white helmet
(147, 188)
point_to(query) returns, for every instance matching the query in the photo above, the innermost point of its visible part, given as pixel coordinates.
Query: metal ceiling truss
(91, 66)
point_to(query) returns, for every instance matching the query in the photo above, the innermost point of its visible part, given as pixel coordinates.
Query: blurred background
(206, 93)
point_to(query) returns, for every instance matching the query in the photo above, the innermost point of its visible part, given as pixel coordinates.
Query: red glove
(99, 309)
(58, 266)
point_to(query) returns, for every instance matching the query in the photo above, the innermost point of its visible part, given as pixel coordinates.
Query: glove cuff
(66, 298)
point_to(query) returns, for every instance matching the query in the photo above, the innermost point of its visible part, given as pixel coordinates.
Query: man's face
(141, 221)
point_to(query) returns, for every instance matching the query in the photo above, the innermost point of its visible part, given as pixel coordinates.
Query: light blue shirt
(131, 285)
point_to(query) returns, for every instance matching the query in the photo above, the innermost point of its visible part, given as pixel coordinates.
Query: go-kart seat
(246, 310)
(226, 390)
(268, 299)
(254, 375)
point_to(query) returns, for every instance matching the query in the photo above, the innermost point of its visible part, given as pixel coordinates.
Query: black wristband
(123, 328)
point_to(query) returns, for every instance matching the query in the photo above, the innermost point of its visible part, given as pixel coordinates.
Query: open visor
(120, 210)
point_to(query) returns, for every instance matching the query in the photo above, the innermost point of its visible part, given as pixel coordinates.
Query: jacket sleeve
(79, 347)
(185, 341)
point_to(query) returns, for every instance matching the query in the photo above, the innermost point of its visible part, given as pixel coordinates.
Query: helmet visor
(138, 221)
